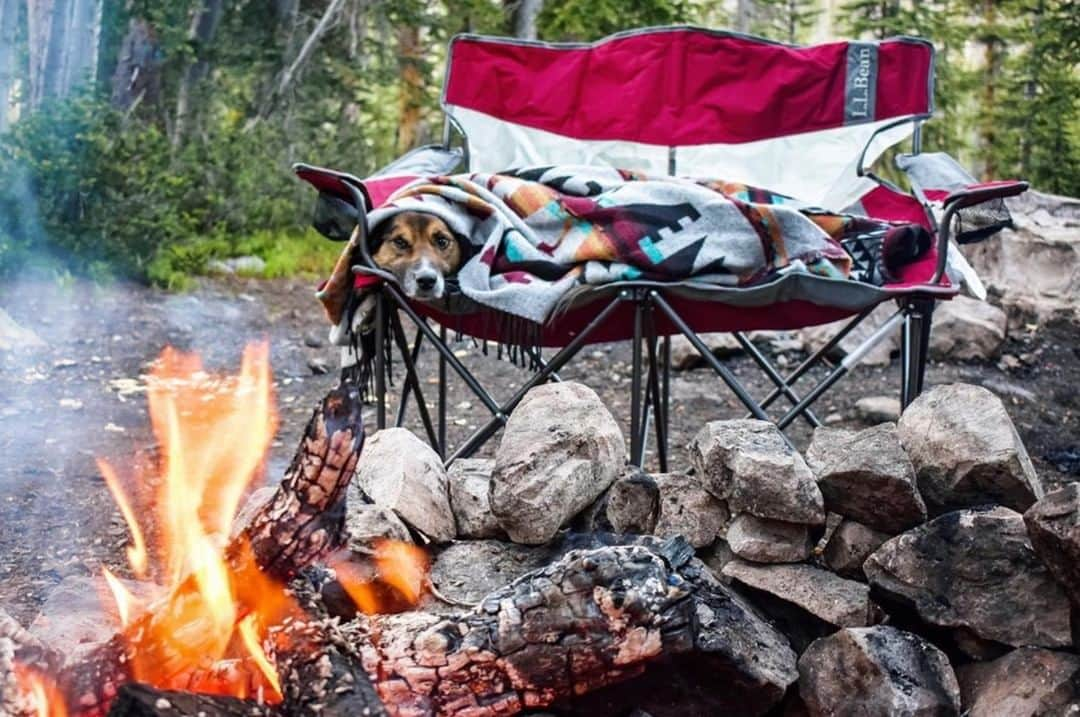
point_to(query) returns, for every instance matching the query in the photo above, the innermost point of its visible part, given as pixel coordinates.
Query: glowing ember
(39, 692)
(397, 581)
(214, 433)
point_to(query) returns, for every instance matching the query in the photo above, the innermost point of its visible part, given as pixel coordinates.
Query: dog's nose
(425, 283)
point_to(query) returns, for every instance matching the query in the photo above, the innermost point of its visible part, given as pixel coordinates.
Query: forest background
(144, 138)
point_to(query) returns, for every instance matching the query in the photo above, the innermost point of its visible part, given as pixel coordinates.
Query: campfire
(666, 594)
(215, 620)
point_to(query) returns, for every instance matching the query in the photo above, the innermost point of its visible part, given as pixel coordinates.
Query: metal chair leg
(635, 384)
(915, 348)
(442, 395)
(380, 360)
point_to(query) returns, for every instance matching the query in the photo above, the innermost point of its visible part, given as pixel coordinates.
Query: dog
(420, 251)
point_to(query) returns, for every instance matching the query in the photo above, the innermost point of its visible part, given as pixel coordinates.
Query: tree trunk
(137, 77)
(523, 16)
(992, 56)
(744, 15)
(9, 31)
(289, 74)
(84, 36)
(47, 29)
(204, 26)
(410, 88)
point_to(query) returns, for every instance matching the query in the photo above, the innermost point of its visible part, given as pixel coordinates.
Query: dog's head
(420, 250)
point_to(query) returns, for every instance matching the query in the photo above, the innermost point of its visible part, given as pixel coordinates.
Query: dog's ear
(377, 235)
(466, 247)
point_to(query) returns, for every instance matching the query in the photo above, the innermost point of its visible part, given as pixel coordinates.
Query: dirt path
(78, 398)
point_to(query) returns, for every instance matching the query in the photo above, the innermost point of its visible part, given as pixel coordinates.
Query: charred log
(306, 517)
(322, 673)
(138, 700)
(302, 521)
(592, 619)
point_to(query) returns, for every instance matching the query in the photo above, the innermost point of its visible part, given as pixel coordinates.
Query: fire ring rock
(750, 465)
(1054, 528)
(975, 569)
(1024, 683)
(877, 671)
(966, 450)
(560, 450)
(400, 472)
(867, 476)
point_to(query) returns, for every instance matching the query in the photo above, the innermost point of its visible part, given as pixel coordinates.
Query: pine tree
(785, 20)
(1035, 112)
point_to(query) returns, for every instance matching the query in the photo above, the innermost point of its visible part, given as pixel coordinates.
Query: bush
(89, 192)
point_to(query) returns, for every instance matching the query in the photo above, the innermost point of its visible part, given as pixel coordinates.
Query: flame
(126, 603)
(397, 581)
(41, 696)
(213, 432)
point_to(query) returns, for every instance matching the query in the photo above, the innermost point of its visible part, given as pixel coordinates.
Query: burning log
(302, 521)
(592, 619)
(306, 517)
(138, 700)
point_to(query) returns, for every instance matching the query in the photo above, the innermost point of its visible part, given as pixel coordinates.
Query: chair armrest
(970, 196)
(978, 193)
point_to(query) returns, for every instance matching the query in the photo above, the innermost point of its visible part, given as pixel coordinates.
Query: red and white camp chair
(802, 121)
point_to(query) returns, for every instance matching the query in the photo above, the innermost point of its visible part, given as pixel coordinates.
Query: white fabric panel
(495, 145)
(815, 167)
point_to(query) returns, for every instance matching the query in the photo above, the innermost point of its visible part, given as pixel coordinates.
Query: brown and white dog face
(420, 250)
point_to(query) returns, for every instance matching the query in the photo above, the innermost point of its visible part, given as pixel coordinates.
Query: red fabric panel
(884, 203)
(903, 86)
(703, 316)
(675, 87)
(379, 189)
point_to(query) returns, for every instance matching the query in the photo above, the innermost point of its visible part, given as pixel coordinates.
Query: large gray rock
(867, 476)
(966, 450)
(975, 569)
(1053, 525)
(768, 541)
(633, 503)
(560, 450)
(839, 602)
(1029, 682)
(1033, 267)
(470, 486)
(400, 472)
(849, 546)
(877, 671)
(750, 465)
(687, 509)
(965, 329)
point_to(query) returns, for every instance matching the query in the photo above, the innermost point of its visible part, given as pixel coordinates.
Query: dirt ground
(78, 398)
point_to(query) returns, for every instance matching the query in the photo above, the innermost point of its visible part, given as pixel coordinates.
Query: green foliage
(785, 20)
(583, 20)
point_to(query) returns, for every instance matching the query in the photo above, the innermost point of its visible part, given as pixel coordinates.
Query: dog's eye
(442, 241)
(399, 243)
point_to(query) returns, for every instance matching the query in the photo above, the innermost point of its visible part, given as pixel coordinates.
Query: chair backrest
(693, 102)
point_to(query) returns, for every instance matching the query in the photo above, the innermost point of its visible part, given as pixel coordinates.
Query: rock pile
(915, 567)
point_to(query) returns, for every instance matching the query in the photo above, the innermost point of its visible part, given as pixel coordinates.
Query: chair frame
(651, 349)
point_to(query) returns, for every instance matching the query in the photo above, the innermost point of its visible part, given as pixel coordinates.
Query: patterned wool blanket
(538, 234)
